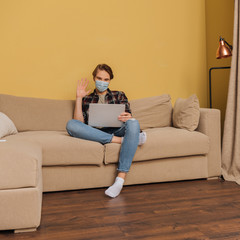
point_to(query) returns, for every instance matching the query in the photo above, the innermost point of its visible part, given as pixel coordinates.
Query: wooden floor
(179, 210)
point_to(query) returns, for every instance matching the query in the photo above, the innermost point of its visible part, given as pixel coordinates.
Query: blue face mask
(101, 85)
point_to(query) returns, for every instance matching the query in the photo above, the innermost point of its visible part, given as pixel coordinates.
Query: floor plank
(189, 210)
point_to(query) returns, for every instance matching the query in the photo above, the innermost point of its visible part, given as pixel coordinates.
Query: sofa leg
(24, 230)
(212, 178)
(219, 178)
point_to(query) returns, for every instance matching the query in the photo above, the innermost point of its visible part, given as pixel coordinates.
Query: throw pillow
(7, 127)
(186, 113)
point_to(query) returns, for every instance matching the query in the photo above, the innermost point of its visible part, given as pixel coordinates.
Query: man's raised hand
(81, 88)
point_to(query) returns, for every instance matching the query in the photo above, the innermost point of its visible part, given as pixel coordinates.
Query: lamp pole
(210, 82)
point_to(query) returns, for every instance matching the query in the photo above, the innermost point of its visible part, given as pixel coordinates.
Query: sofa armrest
(210, 125)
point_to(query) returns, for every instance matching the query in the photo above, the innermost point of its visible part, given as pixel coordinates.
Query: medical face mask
(101, 85)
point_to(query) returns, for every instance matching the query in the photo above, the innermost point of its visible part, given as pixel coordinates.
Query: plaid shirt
(112, 97)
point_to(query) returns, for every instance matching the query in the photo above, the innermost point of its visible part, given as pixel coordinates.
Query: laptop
(105, 115)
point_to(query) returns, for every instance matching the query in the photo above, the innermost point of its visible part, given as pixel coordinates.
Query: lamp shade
(223, 50)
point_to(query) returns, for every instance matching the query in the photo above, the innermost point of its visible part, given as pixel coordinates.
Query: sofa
(42, 157)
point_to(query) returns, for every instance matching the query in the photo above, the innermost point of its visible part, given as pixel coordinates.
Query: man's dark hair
(102, 67)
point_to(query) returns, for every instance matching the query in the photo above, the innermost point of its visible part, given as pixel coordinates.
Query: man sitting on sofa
(129, 135)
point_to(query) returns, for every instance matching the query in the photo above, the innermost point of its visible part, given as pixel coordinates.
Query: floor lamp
(224, 50)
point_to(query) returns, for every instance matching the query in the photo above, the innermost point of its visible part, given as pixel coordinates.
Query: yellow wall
(219, 22)
(153, 46)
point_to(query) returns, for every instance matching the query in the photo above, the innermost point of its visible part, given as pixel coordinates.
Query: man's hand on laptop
(124, 116)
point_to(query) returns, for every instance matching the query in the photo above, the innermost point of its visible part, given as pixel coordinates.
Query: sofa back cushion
(153, 112)
(37, 114)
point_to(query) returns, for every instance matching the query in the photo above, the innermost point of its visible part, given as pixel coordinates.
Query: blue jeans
(130, 131)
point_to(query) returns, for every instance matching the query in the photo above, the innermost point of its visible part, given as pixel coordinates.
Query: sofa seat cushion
(164, 143)
(20, 164)
(61, 149)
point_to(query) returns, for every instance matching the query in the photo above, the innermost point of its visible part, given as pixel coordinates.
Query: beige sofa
(43, 152)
